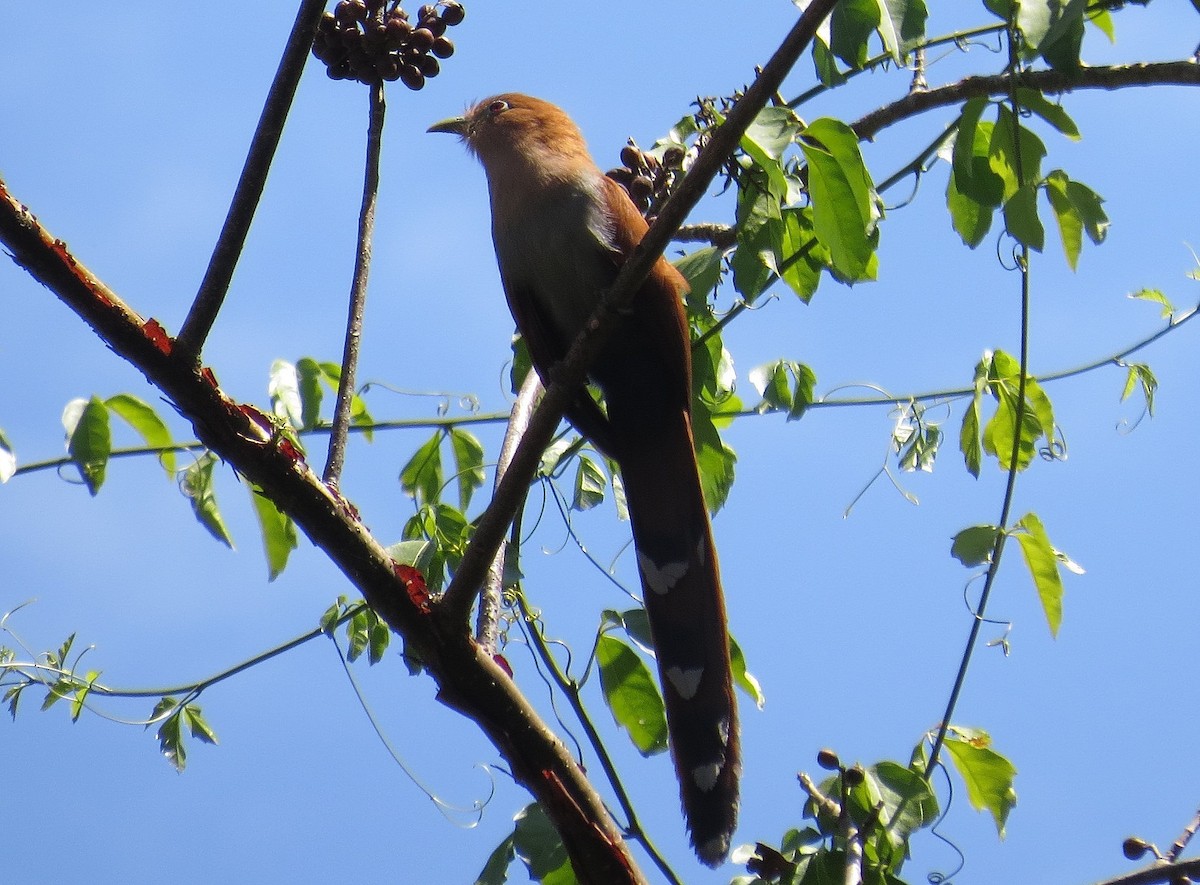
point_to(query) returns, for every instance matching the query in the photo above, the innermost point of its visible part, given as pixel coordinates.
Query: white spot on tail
(723, 731)
(658, 578)
(706, 776)
(686, 681)
(714, 850)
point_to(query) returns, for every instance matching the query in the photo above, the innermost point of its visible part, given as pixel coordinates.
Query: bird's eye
(499, 106)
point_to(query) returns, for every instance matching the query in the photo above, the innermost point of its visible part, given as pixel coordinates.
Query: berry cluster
(648, 179)
(373, 40)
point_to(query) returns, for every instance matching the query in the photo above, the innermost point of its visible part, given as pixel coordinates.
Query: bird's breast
(556, 245)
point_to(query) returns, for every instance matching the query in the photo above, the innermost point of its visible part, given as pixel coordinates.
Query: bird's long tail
(686, 610)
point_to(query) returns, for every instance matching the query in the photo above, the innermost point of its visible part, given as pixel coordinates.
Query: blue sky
(125, 135)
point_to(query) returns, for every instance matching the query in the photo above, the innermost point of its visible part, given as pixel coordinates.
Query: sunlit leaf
(197, 485)
(421, 477)
(468, 464)
(278, 533)
(743, 678)
(844, 211)
(973, 546)
(1021, 218)
(1043, 568)
(283, 386)
(589, 484)
(309, 377)
(89, 439)
(632, 694)
(539, 846)
(988, 777)
(142, 418)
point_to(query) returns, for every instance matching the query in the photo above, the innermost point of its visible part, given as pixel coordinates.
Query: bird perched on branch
(562, 230)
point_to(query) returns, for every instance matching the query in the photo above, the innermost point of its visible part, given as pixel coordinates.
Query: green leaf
(759, 224)
(825, 64)
(81, 693)
(142, 418)
(907, 803)
(589, 484)
(715, 459)
(631, 695)
(851, 24)
(1042, 561)
(843, 200)
(972, 175)
(743, 678)
(283, 386)
(971, 219)
(8, 459)
(197, 724)
(331, 374)
(89, 439)
(540, 848)
(1000, 432)
(988, 776)
(1021, 218)
(170, 733)
(973, 546)
(901, 25)
(1052, 113)
(1061, 44)
(468, 464)
(1088, 203)
(309, 376)
(421, 477)
(765, 141)
(495, 870)
(1070, 224)
(278, 532)
(1156, 296)
(379, 636)
(1015, 153)
(61, 688)
(1140, 374)
(773, 385)
(702, 269)
(1100, 17)
(198, 487)
(968, 436)
(357, 634)
(798, 256)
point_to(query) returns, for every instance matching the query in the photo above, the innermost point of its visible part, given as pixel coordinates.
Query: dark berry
(412, 77)
(1134, 848)
(427, 11)
(673, 157)
(428, 65)
(421, 39)
(828, 760)
(442, 47)
(350, 11)
(453, 13)
(854, 776)
(641, 188)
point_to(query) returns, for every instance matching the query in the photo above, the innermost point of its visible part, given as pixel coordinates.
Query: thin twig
(358, 291)
(211, 295)
(493, 524)
(488, 617)
(1014, 468)
(570, 689)
(1185, 837)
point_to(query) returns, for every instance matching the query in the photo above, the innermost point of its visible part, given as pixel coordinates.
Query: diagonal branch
(469, 680)
(250, 186)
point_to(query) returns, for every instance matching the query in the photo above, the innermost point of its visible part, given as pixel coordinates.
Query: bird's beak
(454, 125)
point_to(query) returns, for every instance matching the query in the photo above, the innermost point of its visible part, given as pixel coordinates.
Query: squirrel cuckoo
(562, 229)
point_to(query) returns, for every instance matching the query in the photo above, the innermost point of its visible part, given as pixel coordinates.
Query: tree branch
(1168, 73)
(250, 185)
(358, 291)
(468, 679)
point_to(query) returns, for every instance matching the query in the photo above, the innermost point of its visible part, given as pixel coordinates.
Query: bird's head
(512, 128)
